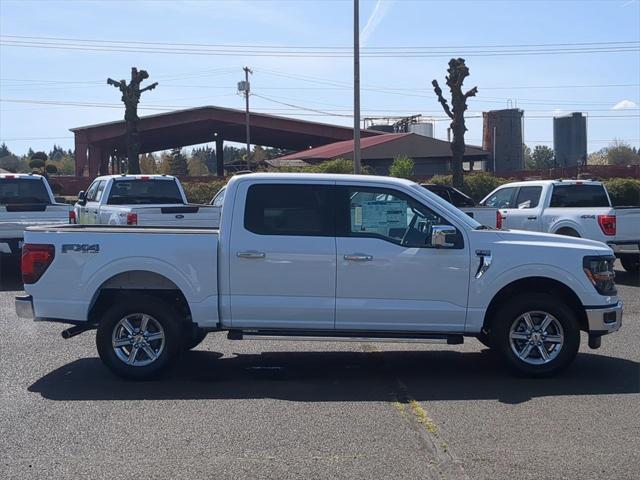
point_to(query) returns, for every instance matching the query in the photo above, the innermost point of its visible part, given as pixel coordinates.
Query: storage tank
(570, 140)
(502, 137)
(422, 128)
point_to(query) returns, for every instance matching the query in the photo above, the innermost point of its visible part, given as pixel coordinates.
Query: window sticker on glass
(384, 215)
(357, 216)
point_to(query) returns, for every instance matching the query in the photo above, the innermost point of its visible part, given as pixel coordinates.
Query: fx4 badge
(81, 248)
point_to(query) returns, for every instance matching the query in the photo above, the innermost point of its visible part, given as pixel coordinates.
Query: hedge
(201, 192)
(477, 185)
(623, 191)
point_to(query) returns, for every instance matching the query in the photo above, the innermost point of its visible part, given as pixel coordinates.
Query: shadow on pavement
(341, 376)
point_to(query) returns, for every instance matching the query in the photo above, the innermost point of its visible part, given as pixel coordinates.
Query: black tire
(631, 263)
(193, 337)
(159, 312)
(485, 339)
(562, 354)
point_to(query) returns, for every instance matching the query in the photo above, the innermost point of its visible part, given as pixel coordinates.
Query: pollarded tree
(458, 71)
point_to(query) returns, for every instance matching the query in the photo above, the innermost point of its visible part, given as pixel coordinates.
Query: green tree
(621, 153)
(177, 163)
(4, 150)
(197, 167)
(402, 167)
(541, 158)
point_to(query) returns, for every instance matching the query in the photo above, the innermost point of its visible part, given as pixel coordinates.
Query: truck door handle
(358, 257)
(251, 254)
(532, 218)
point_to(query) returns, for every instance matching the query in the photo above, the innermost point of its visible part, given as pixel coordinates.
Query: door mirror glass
(439, 234)
(82, 197)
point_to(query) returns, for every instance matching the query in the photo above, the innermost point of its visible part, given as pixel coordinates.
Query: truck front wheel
(536, 334)
(138, 337)
(631, 263)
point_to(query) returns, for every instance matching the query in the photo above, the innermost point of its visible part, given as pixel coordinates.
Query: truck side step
(345, 336)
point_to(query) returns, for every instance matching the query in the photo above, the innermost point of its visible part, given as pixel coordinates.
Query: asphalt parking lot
(316, 410)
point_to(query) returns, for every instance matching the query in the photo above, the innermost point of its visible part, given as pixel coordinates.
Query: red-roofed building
(430, 155)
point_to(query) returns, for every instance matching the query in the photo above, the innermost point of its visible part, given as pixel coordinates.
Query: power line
(285, 53)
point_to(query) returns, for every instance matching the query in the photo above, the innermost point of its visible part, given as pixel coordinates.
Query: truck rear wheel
(536, 334)
(631, 263)
(138, 337)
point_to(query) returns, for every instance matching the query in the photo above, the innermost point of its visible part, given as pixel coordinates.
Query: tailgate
(627, 224)
(179, 215)
(15, 218)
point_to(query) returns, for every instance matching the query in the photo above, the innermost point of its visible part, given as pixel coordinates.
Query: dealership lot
(316, 410)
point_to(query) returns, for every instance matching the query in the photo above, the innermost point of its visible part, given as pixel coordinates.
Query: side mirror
(82, 197)
(439, 235)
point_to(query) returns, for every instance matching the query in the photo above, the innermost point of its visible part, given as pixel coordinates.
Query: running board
(344, 336)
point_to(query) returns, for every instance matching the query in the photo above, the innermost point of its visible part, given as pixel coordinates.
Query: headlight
(599, 270)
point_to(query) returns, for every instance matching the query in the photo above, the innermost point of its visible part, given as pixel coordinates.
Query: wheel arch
(137, 282)
(567, 225)
(538, 285)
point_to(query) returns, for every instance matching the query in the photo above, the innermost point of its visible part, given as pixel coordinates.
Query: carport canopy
(95, 144)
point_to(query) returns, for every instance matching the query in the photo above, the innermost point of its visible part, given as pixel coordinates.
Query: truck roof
(551, 182)
(323, 176)
(21, 175)
(137, 177)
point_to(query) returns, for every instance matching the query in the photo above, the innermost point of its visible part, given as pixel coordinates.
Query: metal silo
(570, 140)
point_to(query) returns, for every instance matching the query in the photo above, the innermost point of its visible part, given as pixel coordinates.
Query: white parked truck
(577, 208)
(27, 200)
(483, 215)
(322, 257)
(151, 200)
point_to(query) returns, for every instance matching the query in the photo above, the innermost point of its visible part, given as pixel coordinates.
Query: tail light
(607, 224)
(36, 258)
(132, 218)
(498, 220)
(72, 217)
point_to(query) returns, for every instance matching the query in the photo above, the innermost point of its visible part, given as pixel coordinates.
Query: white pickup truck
(322, 257)
(482, 214)
(576, 208)
(148, 200)
(26, 200)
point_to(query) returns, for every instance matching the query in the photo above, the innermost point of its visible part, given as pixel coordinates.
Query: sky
(548, 58)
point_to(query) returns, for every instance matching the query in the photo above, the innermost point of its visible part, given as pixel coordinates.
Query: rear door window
(291, 210)
(144, 192)
(528, 197)
(501, 199)
(23, 191)
(577, 196)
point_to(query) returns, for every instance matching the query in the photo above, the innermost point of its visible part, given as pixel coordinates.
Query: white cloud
(625, 105)
(379, 11)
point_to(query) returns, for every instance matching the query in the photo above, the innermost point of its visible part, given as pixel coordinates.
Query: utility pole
(356, 87)
(245, 87)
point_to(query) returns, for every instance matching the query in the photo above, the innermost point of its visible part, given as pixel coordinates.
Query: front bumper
(24, 307)
(604, 320)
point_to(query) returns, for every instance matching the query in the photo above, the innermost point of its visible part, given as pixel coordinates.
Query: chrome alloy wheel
(536, 337)
(138, 339)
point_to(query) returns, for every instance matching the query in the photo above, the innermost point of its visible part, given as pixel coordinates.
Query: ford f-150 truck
(322, 257)
(577, 208)
(151, 200)
(483, 215)
(26, 200)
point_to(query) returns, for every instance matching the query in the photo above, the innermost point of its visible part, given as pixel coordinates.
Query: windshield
(144, 192)
(23, 191)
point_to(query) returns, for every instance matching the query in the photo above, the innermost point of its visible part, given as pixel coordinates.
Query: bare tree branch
(441, 99)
